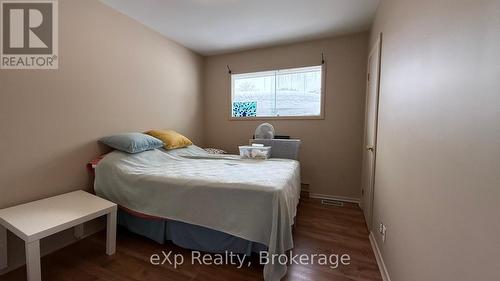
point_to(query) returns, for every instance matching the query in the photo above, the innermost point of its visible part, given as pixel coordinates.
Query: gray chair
(281, 148)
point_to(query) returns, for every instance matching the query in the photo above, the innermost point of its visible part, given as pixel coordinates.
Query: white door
(370, 140)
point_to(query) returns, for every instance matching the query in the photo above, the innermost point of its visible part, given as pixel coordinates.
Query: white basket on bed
(256, 152)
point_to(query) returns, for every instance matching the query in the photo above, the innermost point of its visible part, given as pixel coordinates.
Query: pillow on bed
(170, 138)
(132, 142)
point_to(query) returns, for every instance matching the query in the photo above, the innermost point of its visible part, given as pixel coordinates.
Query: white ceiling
(219, 26)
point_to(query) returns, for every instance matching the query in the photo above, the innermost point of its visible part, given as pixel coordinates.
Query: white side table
(36, 220)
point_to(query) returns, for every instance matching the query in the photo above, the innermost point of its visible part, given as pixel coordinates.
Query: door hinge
(368, 77)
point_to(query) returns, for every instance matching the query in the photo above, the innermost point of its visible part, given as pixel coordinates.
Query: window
(294, 92)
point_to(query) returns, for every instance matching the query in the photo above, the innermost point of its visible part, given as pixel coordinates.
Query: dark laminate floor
(319, 229)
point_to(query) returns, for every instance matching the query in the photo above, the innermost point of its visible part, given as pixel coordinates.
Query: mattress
(255, 200)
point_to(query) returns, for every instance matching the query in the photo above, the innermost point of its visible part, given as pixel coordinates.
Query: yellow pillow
(170, 138)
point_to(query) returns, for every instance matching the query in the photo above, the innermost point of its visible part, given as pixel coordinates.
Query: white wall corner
(380, 260)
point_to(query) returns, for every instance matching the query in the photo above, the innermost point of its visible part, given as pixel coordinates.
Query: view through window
(277, 93)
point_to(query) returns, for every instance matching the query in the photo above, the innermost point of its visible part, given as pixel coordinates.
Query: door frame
(376, 49)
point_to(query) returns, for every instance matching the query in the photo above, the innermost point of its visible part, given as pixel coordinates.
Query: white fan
(264, 131)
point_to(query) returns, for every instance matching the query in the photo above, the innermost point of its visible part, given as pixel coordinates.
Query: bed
(244, 205)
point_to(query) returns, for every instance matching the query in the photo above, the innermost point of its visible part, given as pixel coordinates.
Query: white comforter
(252, 199)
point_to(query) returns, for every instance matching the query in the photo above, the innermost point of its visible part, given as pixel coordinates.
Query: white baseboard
(337, 198)
(380, 260)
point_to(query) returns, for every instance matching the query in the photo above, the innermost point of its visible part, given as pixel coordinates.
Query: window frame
(321, 116)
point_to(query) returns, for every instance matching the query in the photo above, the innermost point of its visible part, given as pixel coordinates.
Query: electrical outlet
(383, 231)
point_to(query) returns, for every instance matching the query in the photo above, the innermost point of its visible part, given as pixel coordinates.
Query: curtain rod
(322, 62)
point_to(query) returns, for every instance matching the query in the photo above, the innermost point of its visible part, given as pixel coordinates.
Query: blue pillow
(132, 142)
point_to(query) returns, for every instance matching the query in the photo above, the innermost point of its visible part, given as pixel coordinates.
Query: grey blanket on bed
(252, 199)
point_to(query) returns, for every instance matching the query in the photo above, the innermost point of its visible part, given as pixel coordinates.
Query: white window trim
(321, 116)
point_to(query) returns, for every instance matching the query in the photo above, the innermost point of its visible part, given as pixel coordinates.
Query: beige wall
(115, 75)
(331, 149)
(438, 180)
